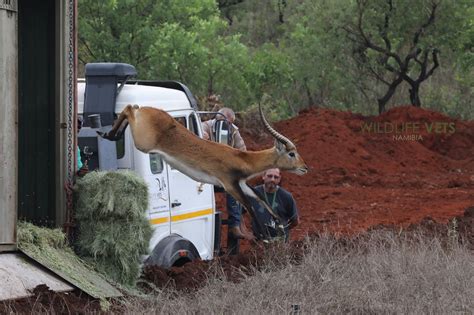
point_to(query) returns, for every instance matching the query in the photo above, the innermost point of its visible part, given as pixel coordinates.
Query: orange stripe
(190, 215)
(159, 220)
(180, 217)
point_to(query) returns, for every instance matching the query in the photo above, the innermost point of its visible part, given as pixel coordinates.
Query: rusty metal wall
(8, 124)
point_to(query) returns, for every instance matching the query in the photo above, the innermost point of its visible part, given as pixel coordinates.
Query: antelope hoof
(109, 137)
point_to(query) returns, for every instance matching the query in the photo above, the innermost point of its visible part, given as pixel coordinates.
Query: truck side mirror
(223, 132)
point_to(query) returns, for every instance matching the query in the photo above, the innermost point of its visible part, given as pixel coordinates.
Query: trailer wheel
(181, 262)
(173, 250)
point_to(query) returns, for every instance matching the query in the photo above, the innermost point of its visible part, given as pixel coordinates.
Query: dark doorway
(36, 116)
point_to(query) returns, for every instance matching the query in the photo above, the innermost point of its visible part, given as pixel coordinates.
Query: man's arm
(293, 211)
(206, 130)
(83, 168)
(239, 142)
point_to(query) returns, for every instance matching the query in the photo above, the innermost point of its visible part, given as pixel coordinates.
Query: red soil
(360, 179)
(46, 301)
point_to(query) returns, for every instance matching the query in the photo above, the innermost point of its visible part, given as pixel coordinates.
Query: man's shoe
(237, 233)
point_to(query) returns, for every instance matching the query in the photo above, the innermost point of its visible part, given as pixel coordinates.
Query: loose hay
(49, 247)
(113, 229)
(30, 235)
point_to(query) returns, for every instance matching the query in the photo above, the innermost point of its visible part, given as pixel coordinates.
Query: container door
(191, 202)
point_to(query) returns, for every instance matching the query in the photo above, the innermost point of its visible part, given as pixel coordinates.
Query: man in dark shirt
(282, 203)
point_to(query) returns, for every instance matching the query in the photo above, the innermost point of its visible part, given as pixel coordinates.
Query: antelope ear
(280, 146)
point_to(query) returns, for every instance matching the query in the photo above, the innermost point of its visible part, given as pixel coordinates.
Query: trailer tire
(173, 250)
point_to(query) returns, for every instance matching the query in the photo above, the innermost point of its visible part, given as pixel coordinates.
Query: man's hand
(83, 170)
(294, 223)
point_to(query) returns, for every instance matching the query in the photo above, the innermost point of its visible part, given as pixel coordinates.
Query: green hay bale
(113, 229)
(116, 246)
(103, 194)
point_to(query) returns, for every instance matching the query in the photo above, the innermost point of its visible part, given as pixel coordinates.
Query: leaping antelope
(155, 131)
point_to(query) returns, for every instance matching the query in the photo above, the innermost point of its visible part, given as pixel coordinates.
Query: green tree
(167, 40)
(209, 62)
(315, 45)
(293, 54)
(113, 30)
(401, 40)
(271, 77)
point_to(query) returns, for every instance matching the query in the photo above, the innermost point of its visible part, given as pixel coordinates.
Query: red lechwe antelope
(154, 130)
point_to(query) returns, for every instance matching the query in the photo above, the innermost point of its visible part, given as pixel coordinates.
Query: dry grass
(379, 273)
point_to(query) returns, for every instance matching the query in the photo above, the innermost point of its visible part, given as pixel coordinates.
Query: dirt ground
(413, 167)
(359, 179)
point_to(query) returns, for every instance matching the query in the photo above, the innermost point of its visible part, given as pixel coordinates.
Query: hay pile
(49, 247)
(39, 238)
(113, 229)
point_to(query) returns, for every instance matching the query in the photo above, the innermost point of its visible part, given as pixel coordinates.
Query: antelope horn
(281, 138)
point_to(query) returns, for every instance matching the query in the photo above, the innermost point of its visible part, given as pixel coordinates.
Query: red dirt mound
(396, 168)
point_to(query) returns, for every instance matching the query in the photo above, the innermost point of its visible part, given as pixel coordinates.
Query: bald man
(282, 203)
(209, 128)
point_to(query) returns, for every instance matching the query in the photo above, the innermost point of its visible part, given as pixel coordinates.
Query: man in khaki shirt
(234, 210)
(209, 128)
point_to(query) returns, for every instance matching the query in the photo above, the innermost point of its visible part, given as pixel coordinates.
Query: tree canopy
(361, 55)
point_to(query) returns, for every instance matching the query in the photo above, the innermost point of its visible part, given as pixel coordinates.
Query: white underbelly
(192, 172)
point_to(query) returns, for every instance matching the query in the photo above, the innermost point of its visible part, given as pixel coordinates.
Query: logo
(408, 131)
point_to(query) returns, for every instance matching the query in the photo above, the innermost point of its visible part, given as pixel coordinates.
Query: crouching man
(282, 203)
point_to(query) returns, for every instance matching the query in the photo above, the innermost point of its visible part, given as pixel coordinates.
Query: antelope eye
(292, 154)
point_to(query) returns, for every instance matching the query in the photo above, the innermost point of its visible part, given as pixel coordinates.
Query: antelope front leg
(251, 192)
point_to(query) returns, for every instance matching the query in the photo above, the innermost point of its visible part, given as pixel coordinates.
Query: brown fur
(154, 129)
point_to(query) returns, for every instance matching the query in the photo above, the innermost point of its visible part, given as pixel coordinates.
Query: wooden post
(8, 124)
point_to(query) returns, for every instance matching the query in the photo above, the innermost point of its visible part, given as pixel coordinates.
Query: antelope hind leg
(118, 129)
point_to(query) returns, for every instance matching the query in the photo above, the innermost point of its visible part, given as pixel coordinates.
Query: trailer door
(191, 202)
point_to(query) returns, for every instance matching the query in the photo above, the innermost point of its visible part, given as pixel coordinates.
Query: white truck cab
(181, 211)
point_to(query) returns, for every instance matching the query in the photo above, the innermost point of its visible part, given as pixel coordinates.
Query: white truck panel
(158, 97)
